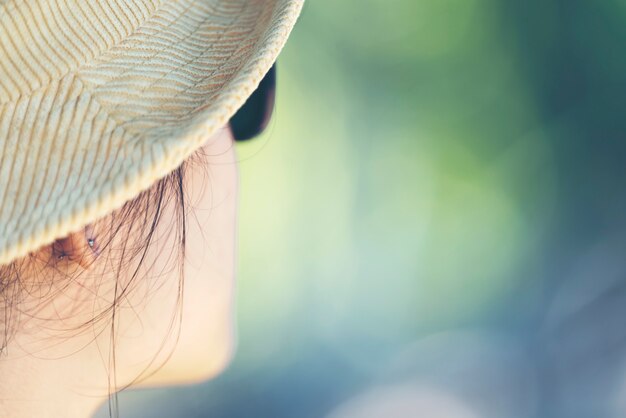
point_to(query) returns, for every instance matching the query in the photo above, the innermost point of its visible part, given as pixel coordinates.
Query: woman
(118, 190)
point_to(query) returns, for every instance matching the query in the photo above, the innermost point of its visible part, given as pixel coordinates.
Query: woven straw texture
(101, 98)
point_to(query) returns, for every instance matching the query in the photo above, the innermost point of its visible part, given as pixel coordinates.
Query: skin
(52, 370)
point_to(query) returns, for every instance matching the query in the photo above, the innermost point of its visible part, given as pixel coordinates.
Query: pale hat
(101, 98)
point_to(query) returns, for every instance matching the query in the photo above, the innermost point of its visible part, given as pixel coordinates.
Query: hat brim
(98, 100)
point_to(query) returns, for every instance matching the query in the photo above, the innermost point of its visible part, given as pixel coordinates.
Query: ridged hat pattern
(101, 98)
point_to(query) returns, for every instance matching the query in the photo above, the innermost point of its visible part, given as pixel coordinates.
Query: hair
(47, 268)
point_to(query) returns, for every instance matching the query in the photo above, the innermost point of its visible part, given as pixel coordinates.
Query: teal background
(433, 223)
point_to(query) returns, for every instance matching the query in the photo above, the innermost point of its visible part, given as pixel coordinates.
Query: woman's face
(153, 340)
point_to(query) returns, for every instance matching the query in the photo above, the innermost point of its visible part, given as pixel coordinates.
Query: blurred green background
(434, 178)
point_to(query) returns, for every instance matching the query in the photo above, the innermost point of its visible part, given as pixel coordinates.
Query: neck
(34, 387)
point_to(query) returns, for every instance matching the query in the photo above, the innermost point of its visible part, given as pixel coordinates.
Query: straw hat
(101, 98)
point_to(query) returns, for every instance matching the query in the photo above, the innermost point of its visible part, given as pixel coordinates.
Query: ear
(78, 247)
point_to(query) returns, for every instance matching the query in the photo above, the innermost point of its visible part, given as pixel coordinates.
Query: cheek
(207, 337)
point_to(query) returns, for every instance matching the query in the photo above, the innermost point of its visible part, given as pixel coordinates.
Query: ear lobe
(75, 248)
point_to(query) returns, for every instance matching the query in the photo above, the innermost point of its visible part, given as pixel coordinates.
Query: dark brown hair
(138, 218)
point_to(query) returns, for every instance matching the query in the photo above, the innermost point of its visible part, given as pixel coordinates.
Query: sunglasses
(252, 118)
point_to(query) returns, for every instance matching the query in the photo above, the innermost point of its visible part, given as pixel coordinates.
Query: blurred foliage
(432, 165)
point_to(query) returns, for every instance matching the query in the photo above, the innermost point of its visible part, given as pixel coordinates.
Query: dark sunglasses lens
(252, 118)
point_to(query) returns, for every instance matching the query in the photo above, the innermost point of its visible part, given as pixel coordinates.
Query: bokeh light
(433, 220)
